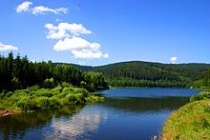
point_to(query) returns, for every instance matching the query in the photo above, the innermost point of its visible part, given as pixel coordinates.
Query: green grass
(190, 122)
(35, 98)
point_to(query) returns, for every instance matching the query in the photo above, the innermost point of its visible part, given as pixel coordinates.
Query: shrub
(26, 104)
(76, 98)
(48, 83)
(44, 92)
(71, 98)
(201, 96)
(34, 98)
(196, 97)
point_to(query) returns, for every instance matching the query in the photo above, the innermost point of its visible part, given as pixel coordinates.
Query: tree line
(204, 82)
(19, 73)
(148, 74)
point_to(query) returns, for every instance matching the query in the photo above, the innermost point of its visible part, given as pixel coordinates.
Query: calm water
(127, 114)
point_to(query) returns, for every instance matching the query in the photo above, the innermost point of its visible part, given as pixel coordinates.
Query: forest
(20, 73)
(149, 74)
(26, 85)
(31, 86)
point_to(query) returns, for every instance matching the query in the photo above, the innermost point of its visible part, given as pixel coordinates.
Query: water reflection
(78, 126)
(16, 126)
(146, 104)
(125, 114)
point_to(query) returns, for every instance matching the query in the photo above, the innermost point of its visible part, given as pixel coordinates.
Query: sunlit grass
(191, 122)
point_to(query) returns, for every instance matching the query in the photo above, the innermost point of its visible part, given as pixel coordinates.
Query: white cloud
(80, 48)
(4, 47)
(75, 43)
(64, 30)
(68, 36)
(23, 7)
(173, 59)
(42, 10)
(88, 53)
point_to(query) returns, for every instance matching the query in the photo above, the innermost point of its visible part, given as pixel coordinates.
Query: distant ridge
(149, 74)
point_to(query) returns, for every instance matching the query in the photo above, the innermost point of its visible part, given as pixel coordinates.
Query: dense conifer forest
(148, 74)
(19, 73)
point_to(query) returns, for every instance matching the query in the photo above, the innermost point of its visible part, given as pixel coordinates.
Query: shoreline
(4, 113)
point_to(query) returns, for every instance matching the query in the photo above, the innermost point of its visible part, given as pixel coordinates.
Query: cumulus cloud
(4, 47)
(69, 39)
(42, 10)
(173, 59)
(80, 48)
(75, 43)
(25, 7)
(64, 30)
(88, 53)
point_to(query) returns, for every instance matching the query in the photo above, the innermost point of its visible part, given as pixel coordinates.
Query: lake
(126, 114)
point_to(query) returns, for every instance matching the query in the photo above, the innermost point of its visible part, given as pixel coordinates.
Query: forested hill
(148, 74)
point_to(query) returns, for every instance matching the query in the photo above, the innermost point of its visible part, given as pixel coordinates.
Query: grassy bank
(35, 98)
(191, 121)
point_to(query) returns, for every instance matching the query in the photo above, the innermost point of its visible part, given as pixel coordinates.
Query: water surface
(127, 113)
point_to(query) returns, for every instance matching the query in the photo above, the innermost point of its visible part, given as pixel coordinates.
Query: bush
(47, 103)
(201, 96)
(26, 104)
(44, 92)
(196, 97)
(94, 98)
(34, 98)
(48, 83)
(76, 98)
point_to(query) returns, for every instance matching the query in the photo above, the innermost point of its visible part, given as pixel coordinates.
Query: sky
(100, 32)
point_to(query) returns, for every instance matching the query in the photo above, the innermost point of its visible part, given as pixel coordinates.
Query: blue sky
(93, 32)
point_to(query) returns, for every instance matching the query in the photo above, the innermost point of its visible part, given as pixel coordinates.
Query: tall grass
(190, 122)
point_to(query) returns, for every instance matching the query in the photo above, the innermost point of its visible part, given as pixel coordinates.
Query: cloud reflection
(77, 126)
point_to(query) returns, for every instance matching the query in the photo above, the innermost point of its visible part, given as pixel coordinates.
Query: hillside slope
(149, 74)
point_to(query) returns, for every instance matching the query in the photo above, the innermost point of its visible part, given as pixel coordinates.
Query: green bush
(200, 96)
(196, 97)
(47, 103)
(35, 98)
(44, 92)
(94, 98)
(26, 104)
(49, 83)
(71, 98)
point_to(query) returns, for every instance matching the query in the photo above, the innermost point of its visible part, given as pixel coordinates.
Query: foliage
(204, 82)
(35, 98)
(201, 96)
(20, 73)
(190, 122)
(147, 74)
(94, 80)
(126, 82)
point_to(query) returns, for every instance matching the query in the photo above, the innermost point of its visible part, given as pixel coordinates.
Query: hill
(149, 74)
